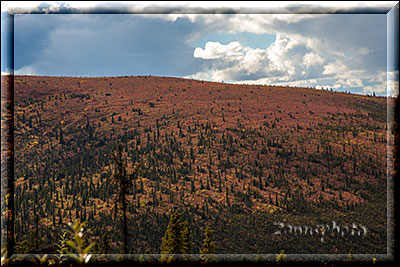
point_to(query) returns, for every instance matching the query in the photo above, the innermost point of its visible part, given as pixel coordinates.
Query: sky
(345, 52)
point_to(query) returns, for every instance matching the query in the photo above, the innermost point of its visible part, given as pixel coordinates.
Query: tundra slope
(232, 156)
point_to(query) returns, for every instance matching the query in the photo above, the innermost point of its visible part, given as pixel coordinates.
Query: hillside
(235, 157)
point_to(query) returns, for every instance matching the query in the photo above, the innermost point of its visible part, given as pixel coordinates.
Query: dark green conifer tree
(177, 239)
(124, 183)
(208, 246)
(192, 187)
(187, 243)
(61, 136)
(172, 242)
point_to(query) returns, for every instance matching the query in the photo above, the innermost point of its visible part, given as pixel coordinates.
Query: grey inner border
(193, 8)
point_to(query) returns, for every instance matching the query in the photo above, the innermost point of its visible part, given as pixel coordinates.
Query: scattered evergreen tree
(208, 246)
(177, 239)
(187, 244)
(124, 182)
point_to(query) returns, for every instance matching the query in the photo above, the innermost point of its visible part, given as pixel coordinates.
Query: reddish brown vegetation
(255, 148)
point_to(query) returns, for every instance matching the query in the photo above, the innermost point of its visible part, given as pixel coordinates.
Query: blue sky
(346, 52)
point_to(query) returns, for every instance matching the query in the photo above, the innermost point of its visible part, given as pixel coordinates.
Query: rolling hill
(240, 158)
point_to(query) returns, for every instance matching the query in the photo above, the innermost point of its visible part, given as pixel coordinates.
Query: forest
(158, 165)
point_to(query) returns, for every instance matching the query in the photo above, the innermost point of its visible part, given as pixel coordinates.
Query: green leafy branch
(77, 248)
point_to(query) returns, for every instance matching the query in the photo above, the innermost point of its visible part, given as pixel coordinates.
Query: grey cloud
(102, 44)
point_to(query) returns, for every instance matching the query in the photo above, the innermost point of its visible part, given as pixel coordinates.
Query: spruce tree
(124, 183)
(172, 242)
(177, 239)
(61, 136)
(192, 187)
(187, 244)
(208, 246)
(104, 245)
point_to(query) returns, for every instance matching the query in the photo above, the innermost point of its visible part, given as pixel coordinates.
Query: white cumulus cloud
(388, 82)
(215, 50)
(312, 59)
(351, 82)
(334, 68)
